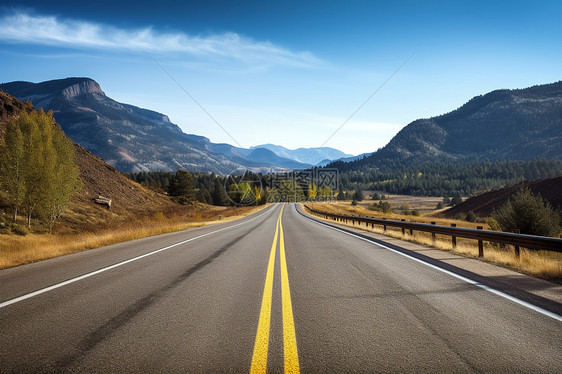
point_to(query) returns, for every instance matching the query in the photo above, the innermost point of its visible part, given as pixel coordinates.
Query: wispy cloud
(26, 28)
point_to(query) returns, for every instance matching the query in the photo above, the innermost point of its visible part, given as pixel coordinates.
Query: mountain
(483, 205)
(520, 124)
(344, 159)
(266, 156)
(312, 156)
(129, 138)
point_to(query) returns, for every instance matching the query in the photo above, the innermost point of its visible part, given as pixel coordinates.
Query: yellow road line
(289, 336)
(259, 358)
(261, 345)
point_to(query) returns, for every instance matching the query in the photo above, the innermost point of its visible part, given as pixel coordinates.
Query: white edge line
(467, 280)
(87, 275)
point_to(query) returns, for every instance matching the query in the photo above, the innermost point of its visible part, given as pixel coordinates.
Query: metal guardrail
(517, 240)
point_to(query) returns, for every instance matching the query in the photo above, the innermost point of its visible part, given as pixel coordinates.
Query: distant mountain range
(520, 124)
(313, 156)
(133, 139)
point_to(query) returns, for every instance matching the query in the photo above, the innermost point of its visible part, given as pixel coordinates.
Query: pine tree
(234, 194)
(182, 186)
(219, 194)
(529, 213)
(341, 194)
(358, 195)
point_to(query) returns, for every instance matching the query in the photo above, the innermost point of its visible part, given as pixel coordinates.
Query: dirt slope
(483, 205)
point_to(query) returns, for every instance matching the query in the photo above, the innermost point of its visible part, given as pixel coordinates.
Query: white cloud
(50, 30)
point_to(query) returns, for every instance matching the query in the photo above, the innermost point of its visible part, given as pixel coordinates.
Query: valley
(280, 187)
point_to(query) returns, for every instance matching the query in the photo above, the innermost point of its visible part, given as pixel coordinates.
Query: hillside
(483, 205)
(518, 124)
(127, 137)
(129, 199)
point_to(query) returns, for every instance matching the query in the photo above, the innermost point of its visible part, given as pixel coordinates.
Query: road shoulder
(539, 292)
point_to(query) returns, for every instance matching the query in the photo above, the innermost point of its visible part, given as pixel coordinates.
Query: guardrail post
(384, 226)
(403, 229)
(480, 244)
(454, 238)
(516, 247)
(433, 234)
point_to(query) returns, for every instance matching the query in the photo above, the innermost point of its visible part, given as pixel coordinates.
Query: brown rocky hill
(133, 139)
(129, 199)
(483, 205)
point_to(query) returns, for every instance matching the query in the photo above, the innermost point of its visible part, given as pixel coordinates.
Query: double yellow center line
(291, 358)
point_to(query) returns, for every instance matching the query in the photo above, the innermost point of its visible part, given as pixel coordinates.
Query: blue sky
(288, 72)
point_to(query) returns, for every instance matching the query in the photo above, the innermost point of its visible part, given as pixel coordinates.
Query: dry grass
(423, 204)
(362, 209)
(18, 250)
(542, 264)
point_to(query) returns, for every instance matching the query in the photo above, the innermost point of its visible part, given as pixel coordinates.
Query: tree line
(448, 178)
(248, 189)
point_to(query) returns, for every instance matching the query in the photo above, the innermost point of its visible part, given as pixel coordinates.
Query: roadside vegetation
(528, 214)
(46, 179)
(523, 207)
(18, 250)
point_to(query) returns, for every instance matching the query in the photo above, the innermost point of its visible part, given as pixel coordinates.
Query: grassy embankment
(17, 250)
(543, 264)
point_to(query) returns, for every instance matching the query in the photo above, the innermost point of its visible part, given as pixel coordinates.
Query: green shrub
(353, 202)
(385, 206)
(470, 217)
(19, 230)
(494, 225)
(529, 213)
(416, 213)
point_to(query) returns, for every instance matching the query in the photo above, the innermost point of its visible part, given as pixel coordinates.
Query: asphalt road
(262, 293)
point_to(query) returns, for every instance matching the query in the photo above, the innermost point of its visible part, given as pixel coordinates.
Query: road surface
(275, 292)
